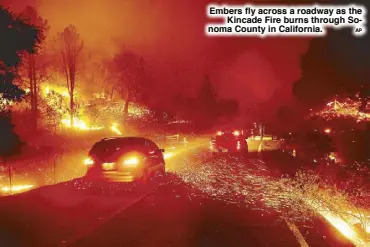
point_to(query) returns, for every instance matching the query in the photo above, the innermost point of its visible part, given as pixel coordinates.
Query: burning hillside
(347, 108)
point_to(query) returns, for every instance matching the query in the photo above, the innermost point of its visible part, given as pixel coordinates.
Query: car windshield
(110, 147)
(225, 135)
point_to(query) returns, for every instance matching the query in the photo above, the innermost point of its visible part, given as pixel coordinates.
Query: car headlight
(88, 161)
(131, 162)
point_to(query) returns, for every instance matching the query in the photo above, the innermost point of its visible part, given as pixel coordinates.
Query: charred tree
(35, 74)
(129, 68)
(70, 46)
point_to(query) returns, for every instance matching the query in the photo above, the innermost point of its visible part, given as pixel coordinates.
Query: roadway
(204, 201)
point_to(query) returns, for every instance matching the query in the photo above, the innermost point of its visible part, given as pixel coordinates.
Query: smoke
(169, 35)
(335, 65)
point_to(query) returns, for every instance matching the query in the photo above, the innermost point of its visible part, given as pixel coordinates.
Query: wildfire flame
(79, 124)
(60, 90)
(346, 109)
(17, 188)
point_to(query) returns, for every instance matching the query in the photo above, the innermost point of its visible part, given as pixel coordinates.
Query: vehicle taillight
(108, 166)
(236, 133)
(238, 145)
(327, 131)
(219, 133)
(131, 162)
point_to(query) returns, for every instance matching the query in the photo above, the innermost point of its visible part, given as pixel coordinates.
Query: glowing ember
(346, 109)
(327, 131)
(344, 223)
(5, 102)
(16, 188)
(246, 183)
(57, 89)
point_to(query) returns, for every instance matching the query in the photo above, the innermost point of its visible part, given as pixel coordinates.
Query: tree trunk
(125, 109)
(33, 92)
(71, 106)
(111, 93)
(10, 177)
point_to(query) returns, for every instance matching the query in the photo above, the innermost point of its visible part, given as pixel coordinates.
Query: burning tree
(36, 73)
(129, 70)
(69, 47)
(54, 109)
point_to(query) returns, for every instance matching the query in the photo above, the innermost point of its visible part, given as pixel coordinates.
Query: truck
(229, 141)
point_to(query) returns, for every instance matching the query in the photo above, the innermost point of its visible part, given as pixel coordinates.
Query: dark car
(125, 159)
(229, 141)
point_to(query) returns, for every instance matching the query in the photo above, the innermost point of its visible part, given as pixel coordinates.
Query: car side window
(151, 146)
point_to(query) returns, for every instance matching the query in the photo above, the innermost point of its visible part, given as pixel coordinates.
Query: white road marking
(302, 242)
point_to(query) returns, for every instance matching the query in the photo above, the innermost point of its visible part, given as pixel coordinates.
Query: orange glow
(78, 124)
(168, 155)
(344, 221)
(46, 89)
(340, 225)
(115, 129)
(17, 188)
(88, 161)
(346, 109)
(345, 227)
(327, 130)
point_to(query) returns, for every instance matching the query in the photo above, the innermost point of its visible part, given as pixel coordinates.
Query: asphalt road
(204, 201)
(173, 216)
(179, 214)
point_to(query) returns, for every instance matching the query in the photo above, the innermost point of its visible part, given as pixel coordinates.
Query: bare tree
(36, 72)
(129, 68)
(69, 47)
